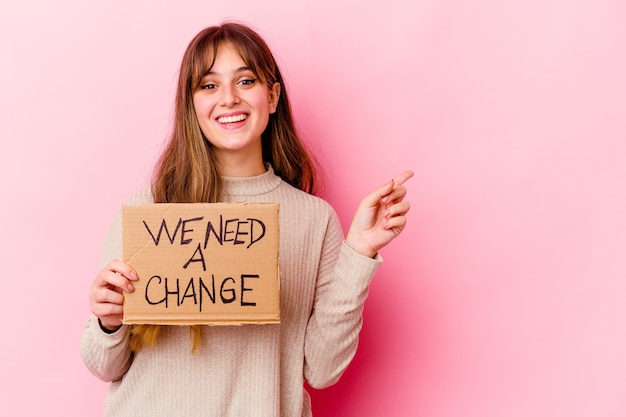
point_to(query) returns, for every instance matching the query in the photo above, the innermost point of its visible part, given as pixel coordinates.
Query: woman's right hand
(107, 293)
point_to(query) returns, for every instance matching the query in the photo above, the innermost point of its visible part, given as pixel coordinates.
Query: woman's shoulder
(306, 202)
(141, 196)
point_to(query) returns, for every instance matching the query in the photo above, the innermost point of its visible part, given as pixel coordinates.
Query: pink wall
(505, 295)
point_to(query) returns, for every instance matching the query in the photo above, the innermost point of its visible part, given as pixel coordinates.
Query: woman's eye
(247, 81)
(208, 86)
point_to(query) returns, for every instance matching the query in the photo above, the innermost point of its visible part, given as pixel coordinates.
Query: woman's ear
(274, 97)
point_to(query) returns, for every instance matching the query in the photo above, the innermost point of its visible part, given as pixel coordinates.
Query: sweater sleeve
(108, 355)
(341, 289)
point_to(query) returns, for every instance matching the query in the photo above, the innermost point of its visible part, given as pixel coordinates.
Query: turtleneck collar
(256, 185)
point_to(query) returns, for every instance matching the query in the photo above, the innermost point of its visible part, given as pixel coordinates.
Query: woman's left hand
(380, 217)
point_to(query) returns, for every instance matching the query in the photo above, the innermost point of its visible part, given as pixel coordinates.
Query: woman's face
(233, 106)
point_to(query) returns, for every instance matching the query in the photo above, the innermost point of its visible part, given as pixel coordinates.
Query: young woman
(234, 140)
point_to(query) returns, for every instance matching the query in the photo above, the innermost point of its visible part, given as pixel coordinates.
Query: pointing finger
(400, 179)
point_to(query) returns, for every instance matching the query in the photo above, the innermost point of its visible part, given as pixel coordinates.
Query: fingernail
(130, 288)
(133, 275)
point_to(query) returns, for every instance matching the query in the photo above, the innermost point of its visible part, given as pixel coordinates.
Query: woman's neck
(237, 165)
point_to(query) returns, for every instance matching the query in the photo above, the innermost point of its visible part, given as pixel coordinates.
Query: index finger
(122, 268)
(400, 179)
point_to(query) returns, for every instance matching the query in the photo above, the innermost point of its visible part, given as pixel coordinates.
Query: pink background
(506, 294)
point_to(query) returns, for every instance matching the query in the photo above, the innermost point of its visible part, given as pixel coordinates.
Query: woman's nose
(229, 96)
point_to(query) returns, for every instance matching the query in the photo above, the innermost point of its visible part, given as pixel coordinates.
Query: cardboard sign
(202, 263)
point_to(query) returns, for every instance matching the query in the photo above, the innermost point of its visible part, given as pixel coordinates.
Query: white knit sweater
(250, 370)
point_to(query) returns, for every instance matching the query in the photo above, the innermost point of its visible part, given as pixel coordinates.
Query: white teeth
(232, 119)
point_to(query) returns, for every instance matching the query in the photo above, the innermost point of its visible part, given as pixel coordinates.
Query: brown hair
(187, 171)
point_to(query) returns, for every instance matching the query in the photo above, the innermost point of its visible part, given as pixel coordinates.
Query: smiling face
(232, 105)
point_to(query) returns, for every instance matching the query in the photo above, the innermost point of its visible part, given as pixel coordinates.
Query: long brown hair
(187, 171)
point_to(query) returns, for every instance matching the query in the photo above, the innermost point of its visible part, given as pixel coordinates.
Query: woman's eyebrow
(237, 71)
